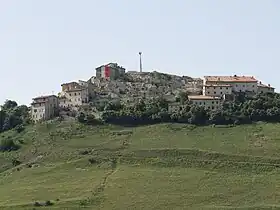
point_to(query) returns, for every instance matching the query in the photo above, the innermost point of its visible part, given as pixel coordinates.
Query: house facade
(262, 88)
(208, 102)
(238, 83)
(110, 71)
(217, 90)
(44, 108)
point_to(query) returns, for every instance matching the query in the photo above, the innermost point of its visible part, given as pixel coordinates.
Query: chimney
(260, 82)
(268, 85)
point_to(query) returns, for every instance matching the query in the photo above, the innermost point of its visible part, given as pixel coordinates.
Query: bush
(16, 162)
(19, 128)
(48, 203)
(8, 145)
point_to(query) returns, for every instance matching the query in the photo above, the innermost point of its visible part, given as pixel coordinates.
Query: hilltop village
(113, 83)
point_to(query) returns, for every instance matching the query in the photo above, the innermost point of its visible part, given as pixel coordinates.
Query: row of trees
(242, 109)
(13, 116)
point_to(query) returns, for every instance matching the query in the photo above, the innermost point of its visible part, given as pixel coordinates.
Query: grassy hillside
(166, 166)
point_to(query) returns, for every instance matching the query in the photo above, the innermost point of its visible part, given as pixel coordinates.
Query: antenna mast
(140, 56)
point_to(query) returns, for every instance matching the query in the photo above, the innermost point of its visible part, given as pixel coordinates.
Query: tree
(9, 104)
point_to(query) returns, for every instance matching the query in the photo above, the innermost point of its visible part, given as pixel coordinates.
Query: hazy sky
(44, 43)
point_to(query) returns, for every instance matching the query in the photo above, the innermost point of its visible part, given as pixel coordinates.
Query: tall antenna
(140, 56)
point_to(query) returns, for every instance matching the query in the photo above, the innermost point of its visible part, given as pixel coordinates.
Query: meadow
(163, 166)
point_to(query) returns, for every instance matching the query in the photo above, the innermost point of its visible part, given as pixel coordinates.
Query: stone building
(73, 94)
(110, 71)
(44, 108)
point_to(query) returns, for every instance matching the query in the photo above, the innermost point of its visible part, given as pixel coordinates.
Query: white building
(238, 83)
(74, 97)
(209, 102)
(217, 90)
(44, 108)
(262, 88)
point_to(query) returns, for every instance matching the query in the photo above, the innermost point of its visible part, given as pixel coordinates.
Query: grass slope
(166, 166)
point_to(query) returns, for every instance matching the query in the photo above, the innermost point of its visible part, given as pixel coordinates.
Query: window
(217, 102)
(253, 86)
(199, 103)
(213, 107)
(243, 85)
(221, 88)
(79, 99)
(212, 102)
(214, 92)
(79, 93)
(226, 87)
(208, 92)
(221, 93)
(75, 94)
(214, 87)
(35, 110)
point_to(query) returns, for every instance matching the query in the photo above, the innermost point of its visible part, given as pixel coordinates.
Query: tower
(140, 57)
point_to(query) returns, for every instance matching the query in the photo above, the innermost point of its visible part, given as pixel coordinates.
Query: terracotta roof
(218, 85)
(42, 97)
(230, 78)
(202, 97)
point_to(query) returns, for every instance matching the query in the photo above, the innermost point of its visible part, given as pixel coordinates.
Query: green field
(165, 166)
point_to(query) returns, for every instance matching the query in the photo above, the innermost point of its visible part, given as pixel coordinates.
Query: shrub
(19, 128)
(48, 203)
(16, 162)
(8, 145)
(37, 204)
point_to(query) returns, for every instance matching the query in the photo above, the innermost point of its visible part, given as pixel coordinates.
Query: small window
(75, 94)
(199, 103)
(253, 86)
(213, 107)
(212, 102)
(217, 102)
(236, 85)
(214, 92)
(79, 93)
(208, 92)
(214, 87)
(221, 93)
(221, 88)
(69, 94)
(226, 87)
(243, 85)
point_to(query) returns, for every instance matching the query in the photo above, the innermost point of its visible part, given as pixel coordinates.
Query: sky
(48, 42)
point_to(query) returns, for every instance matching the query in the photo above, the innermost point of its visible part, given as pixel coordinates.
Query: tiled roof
(218, 85)
(202, 97)
(230, 78)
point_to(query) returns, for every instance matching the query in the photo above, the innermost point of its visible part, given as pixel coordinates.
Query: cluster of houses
(112, 81)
